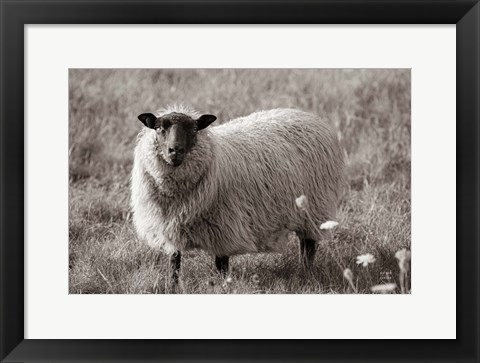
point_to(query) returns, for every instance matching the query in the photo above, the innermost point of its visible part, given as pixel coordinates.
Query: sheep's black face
(176, 133)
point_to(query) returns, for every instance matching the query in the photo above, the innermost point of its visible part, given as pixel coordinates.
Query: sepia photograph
(239, 181)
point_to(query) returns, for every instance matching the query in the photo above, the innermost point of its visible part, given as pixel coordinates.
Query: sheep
(231, 189)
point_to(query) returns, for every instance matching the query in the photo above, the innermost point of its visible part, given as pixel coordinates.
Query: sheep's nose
(176, 151)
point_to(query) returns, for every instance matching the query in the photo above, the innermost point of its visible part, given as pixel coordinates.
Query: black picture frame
(15, 14)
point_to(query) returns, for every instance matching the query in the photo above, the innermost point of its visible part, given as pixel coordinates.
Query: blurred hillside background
(369, 108)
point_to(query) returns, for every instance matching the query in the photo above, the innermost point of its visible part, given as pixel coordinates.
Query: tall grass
(370, 109)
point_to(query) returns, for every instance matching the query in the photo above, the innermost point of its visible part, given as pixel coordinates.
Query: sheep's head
(176, 133)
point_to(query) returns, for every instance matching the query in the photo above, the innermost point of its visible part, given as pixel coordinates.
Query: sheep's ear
(148, 119)
(204, 121)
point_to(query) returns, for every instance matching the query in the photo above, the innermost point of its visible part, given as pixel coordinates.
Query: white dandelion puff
(302, 202)
(328, 225)
(403, 256)
(365, 260)
(348, 274)
(384, 288)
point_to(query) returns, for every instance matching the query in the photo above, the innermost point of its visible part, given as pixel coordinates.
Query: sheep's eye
(166, 125)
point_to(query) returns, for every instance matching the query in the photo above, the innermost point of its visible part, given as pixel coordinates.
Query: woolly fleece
(235, 191)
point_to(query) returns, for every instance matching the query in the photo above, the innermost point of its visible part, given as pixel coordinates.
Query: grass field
(370, 109)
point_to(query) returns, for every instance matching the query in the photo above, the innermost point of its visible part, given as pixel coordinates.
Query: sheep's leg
(175, 260)
(307, 252)
(222, 264)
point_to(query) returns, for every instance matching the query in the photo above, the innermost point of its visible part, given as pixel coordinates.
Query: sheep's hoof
(222, 264)
(307, 254)
(175, 262)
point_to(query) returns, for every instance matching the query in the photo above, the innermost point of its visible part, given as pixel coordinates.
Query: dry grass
(369, 108)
